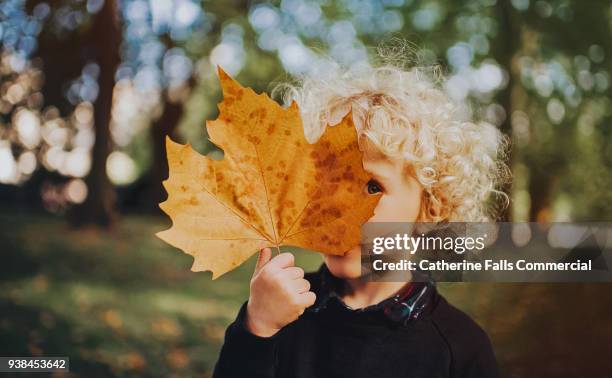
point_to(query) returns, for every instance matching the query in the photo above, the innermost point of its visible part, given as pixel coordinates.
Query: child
(429, 165)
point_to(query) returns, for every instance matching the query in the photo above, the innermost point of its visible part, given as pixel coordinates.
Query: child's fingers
(283, 260)
(307, 299)
(301, 286)
(264, 256)
(293, 272)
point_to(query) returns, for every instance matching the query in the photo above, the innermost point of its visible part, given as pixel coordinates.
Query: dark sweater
(332, 340)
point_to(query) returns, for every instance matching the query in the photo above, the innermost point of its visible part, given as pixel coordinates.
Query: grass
(118, 304)
(126, 304)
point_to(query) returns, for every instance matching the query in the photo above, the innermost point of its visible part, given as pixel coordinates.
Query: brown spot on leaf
(329, 160)
(333, 211)
(253, 139)
(348, 176)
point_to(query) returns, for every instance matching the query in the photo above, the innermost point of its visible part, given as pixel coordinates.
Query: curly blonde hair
(405, 113)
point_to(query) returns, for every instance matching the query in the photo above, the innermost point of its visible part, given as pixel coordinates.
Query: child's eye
(374, 187)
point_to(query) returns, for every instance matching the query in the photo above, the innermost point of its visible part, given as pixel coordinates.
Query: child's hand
(279, 294)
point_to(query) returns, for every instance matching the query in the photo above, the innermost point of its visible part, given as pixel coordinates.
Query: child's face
(400, 202)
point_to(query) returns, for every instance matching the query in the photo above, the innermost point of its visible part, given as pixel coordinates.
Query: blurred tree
(505, 49)
(565, 90)
(105, 34)
(80, 53)
(173, 109)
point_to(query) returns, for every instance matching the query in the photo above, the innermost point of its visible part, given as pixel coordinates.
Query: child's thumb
(265, 255)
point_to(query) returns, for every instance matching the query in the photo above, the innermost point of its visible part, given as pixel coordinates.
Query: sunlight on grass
(124, 303)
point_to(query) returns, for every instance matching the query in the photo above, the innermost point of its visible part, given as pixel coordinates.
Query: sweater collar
(413, 300)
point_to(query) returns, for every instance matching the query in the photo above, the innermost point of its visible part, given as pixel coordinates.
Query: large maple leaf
(271, 188)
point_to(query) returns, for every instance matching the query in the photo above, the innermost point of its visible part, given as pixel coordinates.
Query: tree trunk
(164, 126)
(507, 45)
(99, 207)
(541, 188)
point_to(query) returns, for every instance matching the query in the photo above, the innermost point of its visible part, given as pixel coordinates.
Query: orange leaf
(272, 187)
